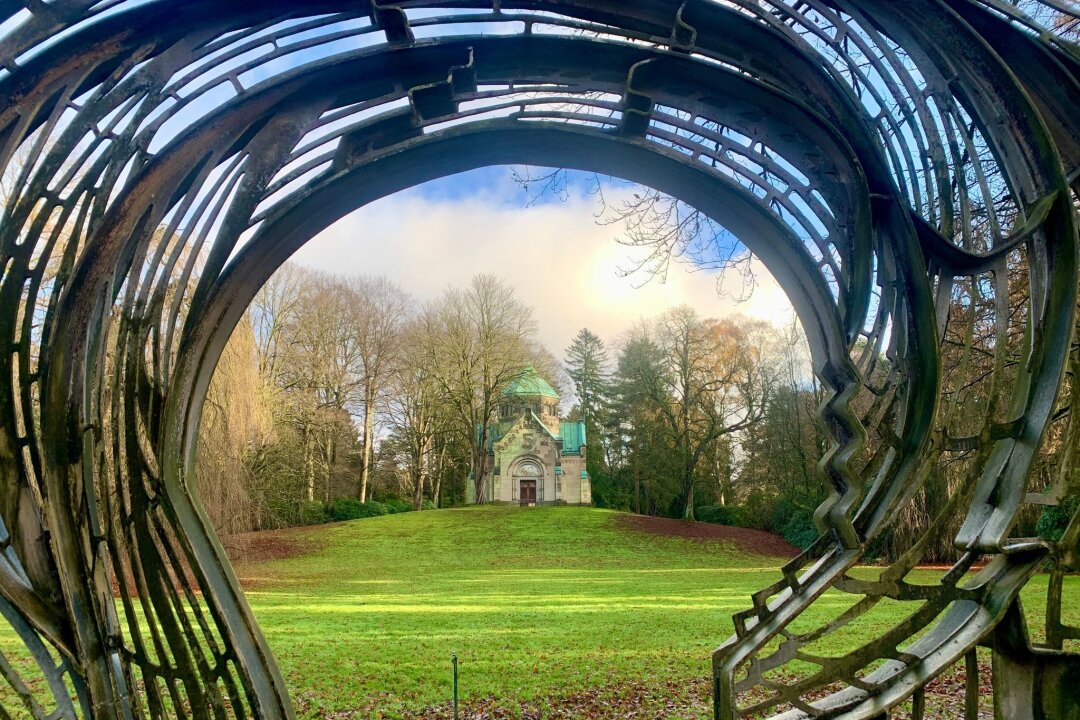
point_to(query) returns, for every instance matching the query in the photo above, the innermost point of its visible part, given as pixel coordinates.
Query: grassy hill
(536, 603)
(552, 612)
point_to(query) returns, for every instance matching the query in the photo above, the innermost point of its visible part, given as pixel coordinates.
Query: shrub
(795, 523)
(758, 509)
(720, 515)
(311, 513)
(353, 509)
(1055, 518)
(397, 505)
(344, 509)
(372, 509)
(426, 504)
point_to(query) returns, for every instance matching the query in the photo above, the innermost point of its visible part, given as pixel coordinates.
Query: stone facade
(534, 458)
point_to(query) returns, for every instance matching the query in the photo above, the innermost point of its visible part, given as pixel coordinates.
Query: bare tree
(416, 408)
(714, 381)
(481, 340)
(379, 310)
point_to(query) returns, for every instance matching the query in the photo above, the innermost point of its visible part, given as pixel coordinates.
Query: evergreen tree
(587, 363)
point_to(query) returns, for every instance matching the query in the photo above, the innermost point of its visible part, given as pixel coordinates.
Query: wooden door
(528, 492)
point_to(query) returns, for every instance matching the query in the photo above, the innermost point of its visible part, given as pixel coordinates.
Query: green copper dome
(529, 383)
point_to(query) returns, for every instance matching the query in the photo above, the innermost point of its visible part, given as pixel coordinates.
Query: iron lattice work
(906, 170)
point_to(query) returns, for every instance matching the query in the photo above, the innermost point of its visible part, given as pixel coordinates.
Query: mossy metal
(168, 157)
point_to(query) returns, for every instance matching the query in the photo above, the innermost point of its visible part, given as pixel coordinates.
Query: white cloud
(554, 255)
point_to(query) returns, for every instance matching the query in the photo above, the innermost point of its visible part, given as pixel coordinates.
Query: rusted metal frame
(835, 570)
(120, 539)
(31, 587)
(80, 311)
(781, 198)
(234, 178)
(155, 592)
(887, 125)
(931, 653)
(1054, 88)
(882, 58)
(935, 89)
(1016, 16)
(532, 20)
(53, 673)
(648, 77)
(552, 40)
(1027, 157)
(948, 229)
(890, 585)
(929, 131)
(136, 34)
(758, 630)
(174, 266)
(221, 655)
(687, 127)
(46, 21)
(920, 351)
(844, 669)
(42, 261)
(170, 608)
(822, 210)
(206, 58)
(958, 261)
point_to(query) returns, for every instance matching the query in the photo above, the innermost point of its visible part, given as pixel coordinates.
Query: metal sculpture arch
(166, 157)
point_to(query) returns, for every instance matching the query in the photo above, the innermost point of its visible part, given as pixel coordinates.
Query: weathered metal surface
(162, 159)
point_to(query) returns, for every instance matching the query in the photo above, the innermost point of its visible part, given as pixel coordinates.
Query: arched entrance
(528, 477)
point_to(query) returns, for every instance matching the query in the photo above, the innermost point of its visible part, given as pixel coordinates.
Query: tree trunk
(418, 490)
(481, 487)
(689, 514)
(331, 460)
(365, 460)
(436, 491)
(309, 463)
(479, 463)
(637, 482)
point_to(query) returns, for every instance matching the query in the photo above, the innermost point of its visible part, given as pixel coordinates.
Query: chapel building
(533, 457)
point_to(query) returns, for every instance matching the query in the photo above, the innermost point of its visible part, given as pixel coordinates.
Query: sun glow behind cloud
(558, 259)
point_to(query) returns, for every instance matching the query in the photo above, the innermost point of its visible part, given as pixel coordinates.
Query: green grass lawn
(554, 613)
(533, 602)
(537, 604)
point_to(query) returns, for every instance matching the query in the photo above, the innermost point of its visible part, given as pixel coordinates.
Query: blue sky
(553, 252)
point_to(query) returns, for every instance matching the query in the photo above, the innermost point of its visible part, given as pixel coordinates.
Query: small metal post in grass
(453, 659)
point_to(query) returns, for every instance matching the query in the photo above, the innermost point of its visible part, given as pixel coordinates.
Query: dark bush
(758, 509)
(397, 505)
(353, 509)
(344, 509)
(428, 505)
(1055, 518)
(612, 492)
(311, 513)
(795, 523)
(720, 515)
(373, 509)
